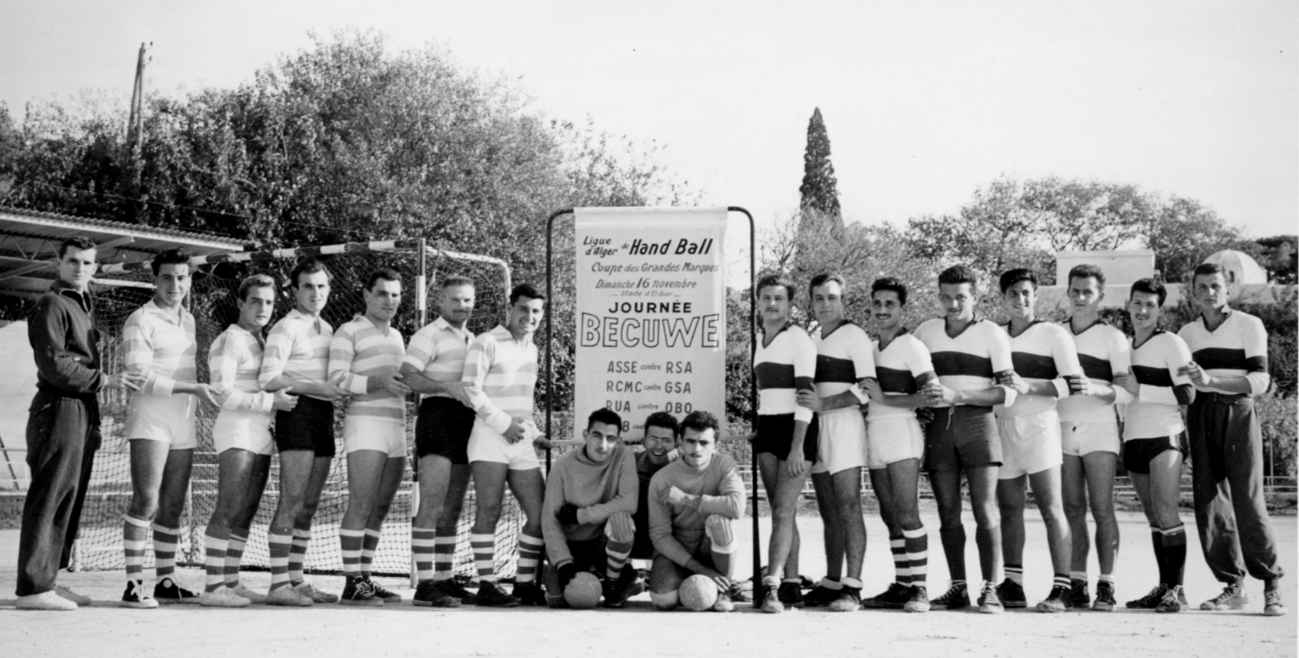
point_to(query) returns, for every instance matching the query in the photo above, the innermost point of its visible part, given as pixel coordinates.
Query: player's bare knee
(664, 600)
(620, 528)
(143, 506)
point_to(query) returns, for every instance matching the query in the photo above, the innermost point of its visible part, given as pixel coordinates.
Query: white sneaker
(80, 599)
(308, 590)
(222, 597)
(44, 601)
(255, 597)
(287, 596)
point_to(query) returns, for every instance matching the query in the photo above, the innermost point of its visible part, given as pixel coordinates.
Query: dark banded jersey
(901, 368)
(1103, 353)
(970, 360)
(782, 367)
(1155, 363)
(1238, 347)
(843, 357)
(1043, 352)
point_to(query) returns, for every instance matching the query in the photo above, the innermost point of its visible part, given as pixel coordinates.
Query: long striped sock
(423, 543)
(214, 561)
(484, 547)
(135, 536)
(368, 546)
(1061, 579)
(901, 565)
(1174, 553)
(615, 555)
(234, 555)
(298, 553)
(351, 541)
(279, 542)
(164, 550)
(1015, 574)
(444, 555)
(529, 557)
(917, 547)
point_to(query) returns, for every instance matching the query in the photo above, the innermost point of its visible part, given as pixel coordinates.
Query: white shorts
(485, 445)
(368, 433)
(1029, 444)
(1083, 437)
(840, 441)
(244, 430)
(892, 439)
(168, 419)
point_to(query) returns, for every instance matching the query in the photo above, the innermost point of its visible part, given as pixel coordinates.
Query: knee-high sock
(1157, 542)
(298, 553)
(619, 533)
(423, 543)
(989, 542)
(234, 555)
(444, 555)
(164, 550)
(214, 561)
(901, 565)
(279, 543)
(916, 542)
(350, 543)
(529, 557)
(135, 535)
(484, 548)
(953, 540)
(1174, 540)
(368, 547)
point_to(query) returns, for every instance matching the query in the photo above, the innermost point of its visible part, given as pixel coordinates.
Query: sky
(925, 101)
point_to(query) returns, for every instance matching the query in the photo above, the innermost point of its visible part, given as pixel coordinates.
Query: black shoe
(1011, 594)
(849, 599)
(1149, 601)
(957, 597)
(820, 596)
(616, 592)
(491, 595)
(451, 587)
(358, 591)
(738, 594)
(1173, 600)
(791, 594)
(167, 591)
(135, 596)
(1055, 601)
(919, 601)
(1104, 597)
(530, 594)
(1079, 597)
(892, 598)
(428, 594)
(384, 594)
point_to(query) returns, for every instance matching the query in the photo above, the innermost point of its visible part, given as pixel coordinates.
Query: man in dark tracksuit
(62, 429)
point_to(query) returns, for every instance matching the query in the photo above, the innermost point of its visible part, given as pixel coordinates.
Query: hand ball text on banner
(651, 313)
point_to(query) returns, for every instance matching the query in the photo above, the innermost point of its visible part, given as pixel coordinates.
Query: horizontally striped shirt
(1155, 364)
(234, 359)
(160, 344)
(360, 350)
(781, 368)
(1237, 348)
(500, 377)
(1103, 353)
(970, 360)
(298, 346)
(901, 368)
(1042, 352)
(844, 357)
(438, 352)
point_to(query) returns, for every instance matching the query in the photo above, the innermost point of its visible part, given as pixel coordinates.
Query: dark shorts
(309, 426)
(1137, 453)
(961, 437)
(776, 433)
(589, 555)
(442, 428)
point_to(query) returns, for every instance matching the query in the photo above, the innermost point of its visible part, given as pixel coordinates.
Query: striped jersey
(438, 352)
(234, 360)
(970, 360)
(901, 368)
(160, 344)
(1155, 363)
(1237, 348)
(360, 350)
(781, 368)
(1103, 352)
(297, 346)
(1042, 352)
(844, 357)
(500, 376)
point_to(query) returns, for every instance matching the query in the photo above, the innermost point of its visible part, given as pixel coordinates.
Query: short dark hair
(824, 278)
(1011, 277)
(663, 419)
(525, 290)
(1086, 271)
(604, 415)
(774, 280)
(888, 283)
(382, 274)
(958, 274)
(169, 257)
(1149, 287)
(1208, 269)
(80, 244)
(255, 281)
(700, 420)
(457, 281)
(308, 266)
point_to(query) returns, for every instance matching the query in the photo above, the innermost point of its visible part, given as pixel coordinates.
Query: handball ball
(698, 593)
(583, 591)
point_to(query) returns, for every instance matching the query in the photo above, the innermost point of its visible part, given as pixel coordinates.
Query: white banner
(651, 313)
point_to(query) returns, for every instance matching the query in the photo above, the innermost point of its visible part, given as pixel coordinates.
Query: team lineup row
(1028, 403)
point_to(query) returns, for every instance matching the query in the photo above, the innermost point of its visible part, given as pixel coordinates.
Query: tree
(1182, 233)
(819, 191)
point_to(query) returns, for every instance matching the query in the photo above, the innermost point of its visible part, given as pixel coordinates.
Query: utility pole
(135, 130)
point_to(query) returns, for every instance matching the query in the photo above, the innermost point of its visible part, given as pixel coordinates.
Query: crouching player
(586, 519)
(693, 504)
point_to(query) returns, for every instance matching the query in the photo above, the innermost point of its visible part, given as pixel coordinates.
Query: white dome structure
(1240, 268)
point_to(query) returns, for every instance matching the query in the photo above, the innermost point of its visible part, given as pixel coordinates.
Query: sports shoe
(490, 595)
(738, 593)
(892, 598)
(820, 596)
(81, 600)
(167, 591)
(308, 590)
(358, 591)
(292, 597)
(1011, 594)
(384, 594)
(427, 595)
(1054, 601)
(771, 601)
(530, 593)
(848, 601)
(452, 587)
(791, 594)
(919, 601)
(1272, 605)
(1104, 597)
(1232, 598)
(616, 592)
(1171, 601)
(222, 597)
(957, 597)
(723, 603)
(1149, 601)
(135, 596)
(253, 597)
(48, 600)
(988, 601)
(1078, 596)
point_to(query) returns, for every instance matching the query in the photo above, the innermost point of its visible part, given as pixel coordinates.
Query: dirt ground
(397, 630)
